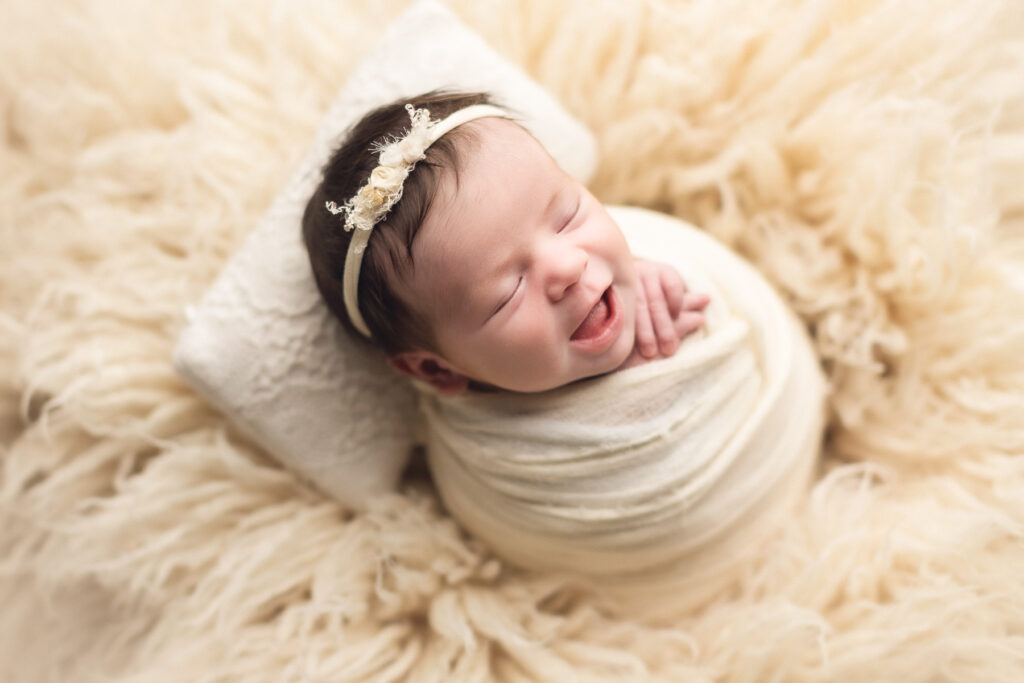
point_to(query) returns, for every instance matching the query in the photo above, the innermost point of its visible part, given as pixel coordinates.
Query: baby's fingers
(695, 301)
(664, 326)
(688, 322)
(646, 342)
(673, 289)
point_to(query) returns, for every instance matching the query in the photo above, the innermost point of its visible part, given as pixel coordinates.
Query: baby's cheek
(534, 335)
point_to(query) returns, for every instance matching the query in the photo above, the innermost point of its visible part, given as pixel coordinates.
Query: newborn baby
(446, 235)
(495, 269)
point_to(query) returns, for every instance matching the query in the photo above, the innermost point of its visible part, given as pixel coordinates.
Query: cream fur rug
(868, 156)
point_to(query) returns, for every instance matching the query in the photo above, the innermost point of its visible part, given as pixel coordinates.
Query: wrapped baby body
(670, 466)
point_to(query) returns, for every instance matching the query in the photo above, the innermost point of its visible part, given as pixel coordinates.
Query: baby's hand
(665, 311)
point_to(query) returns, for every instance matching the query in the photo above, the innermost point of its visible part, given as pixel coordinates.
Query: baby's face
(527, 281)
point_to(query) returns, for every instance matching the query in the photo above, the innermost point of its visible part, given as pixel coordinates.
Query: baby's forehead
(500, 168)
(496, 126)
(456, 251)
(454, 263)
(504, 181)
(496, 141)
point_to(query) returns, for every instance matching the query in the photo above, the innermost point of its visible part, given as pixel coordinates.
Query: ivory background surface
(867, 156)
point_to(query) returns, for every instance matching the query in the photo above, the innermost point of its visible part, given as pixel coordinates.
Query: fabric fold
(647, 468)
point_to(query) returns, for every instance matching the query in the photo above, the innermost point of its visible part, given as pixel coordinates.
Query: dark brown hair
(394, 324)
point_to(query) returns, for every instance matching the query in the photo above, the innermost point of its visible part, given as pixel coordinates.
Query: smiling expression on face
(527, 281)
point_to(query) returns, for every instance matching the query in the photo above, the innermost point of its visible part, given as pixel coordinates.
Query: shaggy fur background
(867, 155)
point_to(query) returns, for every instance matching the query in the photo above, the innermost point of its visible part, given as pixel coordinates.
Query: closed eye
(572, 216)
(507, 300)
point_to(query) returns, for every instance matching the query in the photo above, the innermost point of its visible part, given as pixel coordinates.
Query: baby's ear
(430, 368)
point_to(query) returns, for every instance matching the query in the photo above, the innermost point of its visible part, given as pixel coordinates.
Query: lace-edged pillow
(263, 348)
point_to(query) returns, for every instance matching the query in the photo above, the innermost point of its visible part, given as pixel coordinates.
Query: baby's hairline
(391, 324)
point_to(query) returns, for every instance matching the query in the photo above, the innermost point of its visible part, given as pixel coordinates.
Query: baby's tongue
(593, 323)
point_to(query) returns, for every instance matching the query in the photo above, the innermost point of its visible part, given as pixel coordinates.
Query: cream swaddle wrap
(672, 461)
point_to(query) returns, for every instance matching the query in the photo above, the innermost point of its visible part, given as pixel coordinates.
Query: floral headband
(382, 191)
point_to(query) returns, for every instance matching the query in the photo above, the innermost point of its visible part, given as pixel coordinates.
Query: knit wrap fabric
(661, 467)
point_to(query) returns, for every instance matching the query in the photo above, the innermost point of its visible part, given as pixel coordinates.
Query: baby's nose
(565, 269)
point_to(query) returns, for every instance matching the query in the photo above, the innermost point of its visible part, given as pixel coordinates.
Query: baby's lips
(595, 321)
(602, 326)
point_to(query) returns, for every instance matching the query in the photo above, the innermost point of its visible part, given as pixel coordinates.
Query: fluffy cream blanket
(866, 155)
(654, 479)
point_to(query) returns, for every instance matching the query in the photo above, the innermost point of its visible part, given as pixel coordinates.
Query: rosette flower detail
(395, 159)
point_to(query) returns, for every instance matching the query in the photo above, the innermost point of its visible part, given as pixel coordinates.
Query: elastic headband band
(382, 191)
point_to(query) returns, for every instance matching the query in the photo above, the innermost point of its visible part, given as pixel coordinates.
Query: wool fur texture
(865, 155)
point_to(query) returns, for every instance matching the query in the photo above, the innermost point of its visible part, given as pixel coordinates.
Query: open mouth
(601, 325)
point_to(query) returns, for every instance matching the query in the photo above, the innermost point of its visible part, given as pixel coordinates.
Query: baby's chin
(624, 358)
(624, 347)
(599, 354)
(615, 358)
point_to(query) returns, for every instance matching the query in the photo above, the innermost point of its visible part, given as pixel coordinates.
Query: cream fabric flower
(382, 191)
(411, 149)
(387, 177)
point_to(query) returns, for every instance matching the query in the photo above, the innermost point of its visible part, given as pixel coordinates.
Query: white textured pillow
(263, 347)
